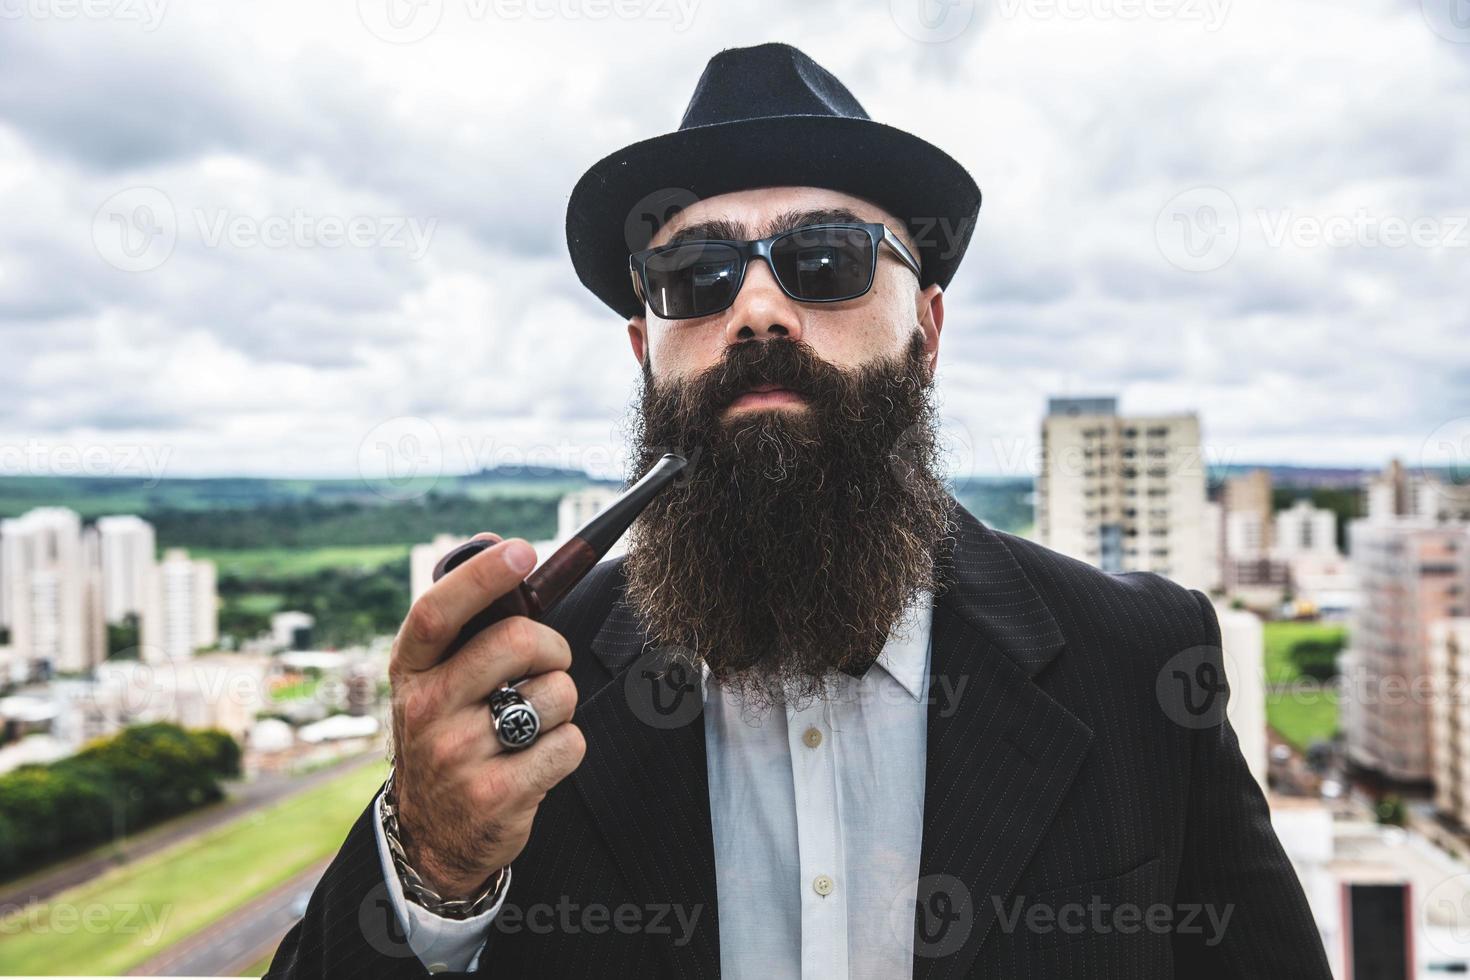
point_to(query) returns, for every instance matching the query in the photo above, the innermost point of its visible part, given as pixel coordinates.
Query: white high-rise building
(423, 557)
(1449, 716)
(1212, 552)
(580, 506)
(1245, 535)
(45, 597)
(1303, 529)
(127, 555)
(572, 511)
(183, 608)
(1399, 492)
(1411, 572)
(1126, 493)
(1243, 640)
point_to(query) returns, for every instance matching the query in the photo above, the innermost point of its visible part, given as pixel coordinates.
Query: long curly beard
(793, 543)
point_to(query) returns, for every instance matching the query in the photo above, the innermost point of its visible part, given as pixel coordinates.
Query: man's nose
(761, 310)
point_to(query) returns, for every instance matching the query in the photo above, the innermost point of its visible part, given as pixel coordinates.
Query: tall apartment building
(1212, 553)
(49, 598)
(1243, 641)
(126, 556)
(577, 508)
(423, 557)
(1411, 572)
(572, 511)
(1126, 493)
(1449, 717)
(182, 615)
(1399, 492)
(1247, 536)
(1304, 530)
(1247, 500)
(580, 506)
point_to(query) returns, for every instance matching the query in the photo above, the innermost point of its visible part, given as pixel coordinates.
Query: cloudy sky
(283, 238)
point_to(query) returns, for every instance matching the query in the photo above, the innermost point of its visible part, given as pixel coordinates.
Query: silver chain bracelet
(414, 887)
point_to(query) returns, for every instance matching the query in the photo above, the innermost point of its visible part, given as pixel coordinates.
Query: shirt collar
(905, 656)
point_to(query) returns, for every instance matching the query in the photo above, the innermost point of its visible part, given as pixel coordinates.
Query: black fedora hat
(765, 116)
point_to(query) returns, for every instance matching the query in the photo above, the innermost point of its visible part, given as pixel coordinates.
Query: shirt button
(823, 885)
(812, 738)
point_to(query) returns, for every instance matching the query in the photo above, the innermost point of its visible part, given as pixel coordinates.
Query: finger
(436, 617)
(490, 536)
(501, 653)
(469, 735)
(532, 772)
(553, 695)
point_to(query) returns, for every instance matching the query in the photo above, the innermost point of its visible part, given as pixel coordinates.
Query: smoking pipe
(554, 577)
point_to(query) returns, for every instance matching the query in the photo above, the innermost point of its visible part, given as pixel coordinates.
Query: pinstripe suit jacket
(1063, 789)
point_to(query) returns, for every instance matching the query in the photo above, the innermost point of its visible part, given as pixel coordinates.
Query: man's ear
(638, 337)
(929, 311)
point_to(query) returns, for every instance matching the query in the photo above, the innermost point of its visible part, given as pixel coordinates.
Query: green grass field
(1281, 636)
(295, 562)
(1302, 719)
(123, 918)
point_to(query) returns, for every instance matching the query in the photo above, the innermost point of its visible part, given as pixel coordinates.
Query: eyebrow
(724, 229)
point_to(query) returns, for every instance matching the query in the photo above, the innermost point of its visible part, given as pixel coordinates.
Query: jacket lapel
(1001, 757)
(644, 778)
(1001, 753)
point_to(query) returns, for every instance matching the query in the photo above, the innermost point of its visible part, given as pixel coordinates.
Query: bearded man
(828, 724)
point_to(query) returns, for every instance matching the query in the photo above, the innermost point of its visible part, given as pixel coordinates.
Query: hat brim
(617, 205)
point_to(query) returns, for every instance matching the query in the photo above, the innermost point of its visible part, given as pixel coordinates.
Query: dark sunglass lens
(824, 264)
(692, 280)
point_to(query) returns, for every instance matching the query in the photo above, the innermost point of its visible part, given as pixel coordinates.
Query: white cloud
(1079, 122)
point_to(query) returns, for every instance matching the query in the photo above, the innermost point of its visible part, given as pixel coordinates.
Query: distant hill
(95, 496)
(1286, 475)
(309, 512)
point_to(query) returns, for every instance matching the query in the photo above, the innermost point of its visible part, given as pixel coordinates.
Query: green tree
(123, 637)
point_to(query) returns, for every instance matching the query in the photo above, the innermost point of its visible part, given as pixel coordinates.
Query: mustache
(784, 363)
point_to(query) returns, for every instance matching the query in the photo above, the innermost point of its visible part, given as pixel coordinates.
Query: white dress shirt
(817, 817)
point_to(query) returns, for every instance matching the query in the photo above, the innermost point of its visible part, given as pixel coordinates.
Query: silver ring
(514, 718)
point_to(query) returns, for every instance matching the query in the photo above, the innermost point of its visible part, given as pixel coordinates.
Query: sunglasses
(825, 263)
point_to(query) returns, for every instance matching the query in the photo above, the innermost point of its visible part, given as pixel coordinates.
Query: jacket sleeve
(351, 927)
(1233, 865)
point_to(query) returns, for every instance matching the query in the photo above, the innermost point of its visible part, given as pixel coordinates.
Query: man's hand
(465, 804)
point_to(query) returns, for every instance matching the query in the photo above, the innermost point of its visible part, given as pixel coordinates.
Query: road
(231, 945)
(244, 797)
